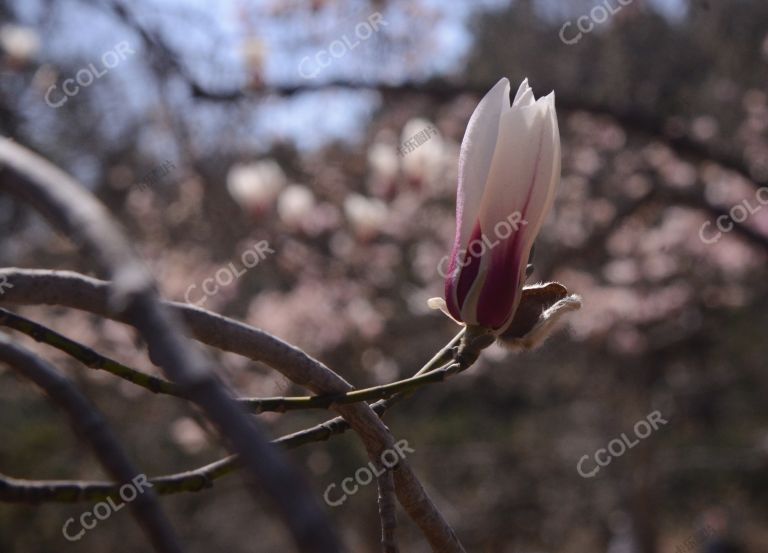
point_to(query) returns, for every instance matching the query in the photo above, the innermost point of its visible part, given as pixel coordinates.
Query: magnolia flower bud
(509, 168)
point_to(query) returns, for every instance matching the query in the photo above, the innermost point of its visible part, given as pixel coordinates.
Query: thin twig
(14, 490)
(17, 490)
(88, 356)
(95, 360)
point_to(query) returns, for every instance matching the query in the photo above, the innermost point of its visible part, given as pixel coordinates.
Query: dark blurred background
(212, 126)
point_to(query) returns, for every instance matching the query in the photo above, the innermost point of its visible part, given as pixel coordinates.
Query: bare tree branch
(95, 360)
(15, 490)
(88, 356)
(643, 122)
(387, 512)
(34, 491)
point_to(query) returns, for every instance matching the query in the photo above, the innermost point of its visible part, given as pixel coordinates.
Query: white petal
(477, 150)
(525, 169)
(542, 202)
(524, 96)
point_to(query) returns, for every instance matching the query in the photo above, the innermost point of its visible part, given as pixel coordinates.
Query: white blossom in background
(384, 166)
(255, 186)
(366, 216)
(421, 148)
(295, 205)
(382, 159)
(20, 44)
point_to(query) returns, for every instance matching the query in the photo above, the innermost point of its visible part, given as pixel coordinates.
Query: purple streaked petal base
(502, 287)
(463, 270)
